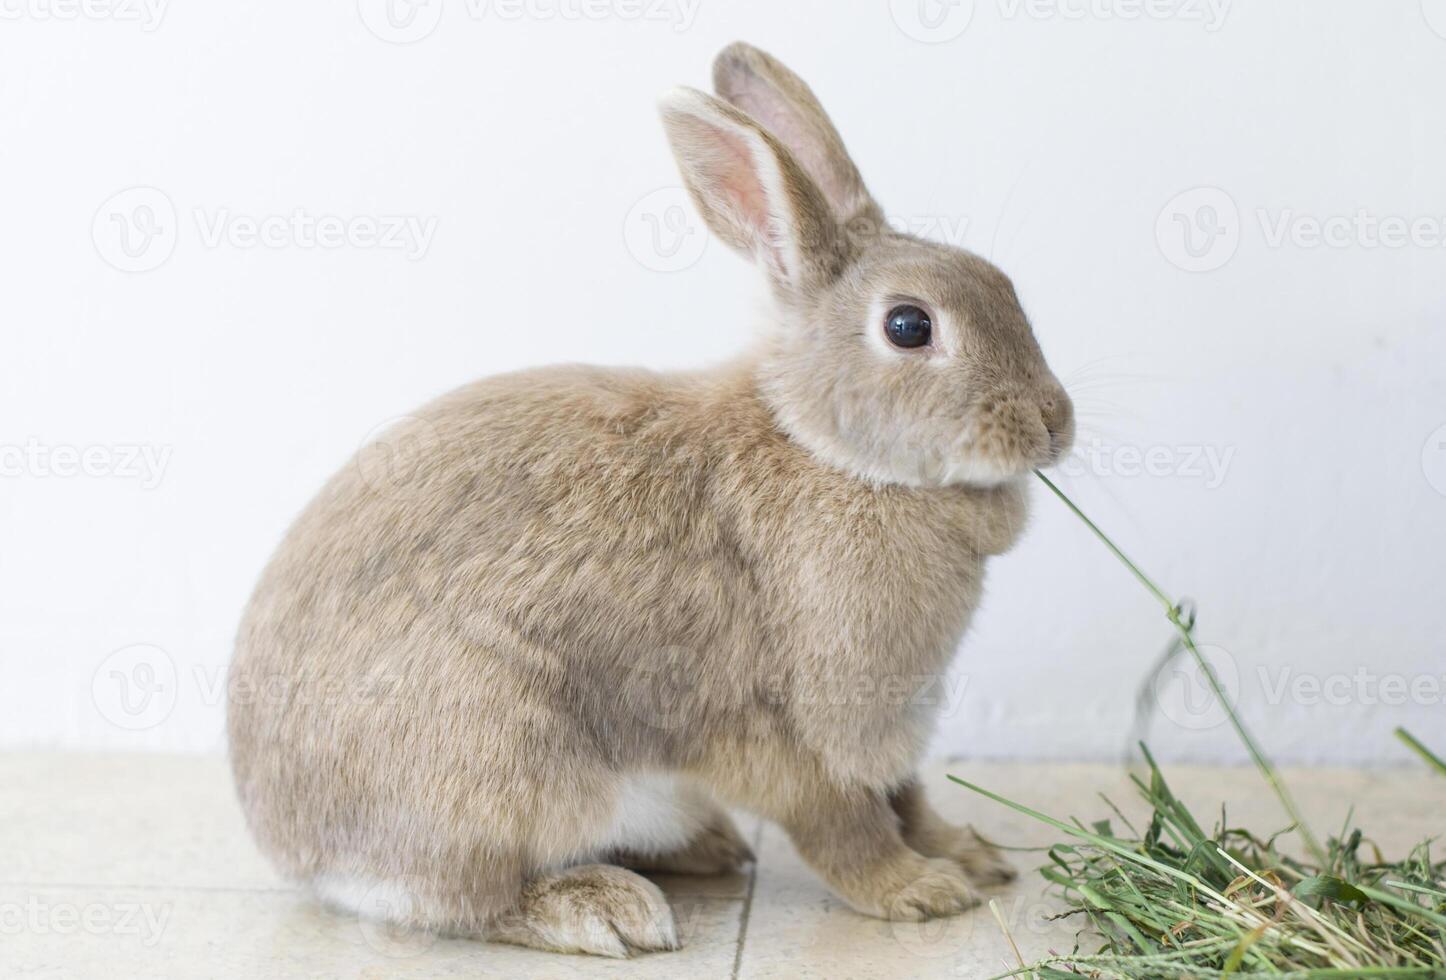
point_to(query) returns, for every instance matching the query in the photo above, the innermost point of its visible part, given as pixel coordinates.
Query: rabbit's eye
(908, 326)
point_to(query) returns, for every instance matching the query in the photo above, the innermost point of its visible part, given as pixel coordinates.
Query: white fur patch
(369, 898)
(649, 816)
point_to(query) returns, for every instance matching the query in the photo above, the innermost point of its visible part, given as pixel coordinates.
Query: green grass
(1175, 902)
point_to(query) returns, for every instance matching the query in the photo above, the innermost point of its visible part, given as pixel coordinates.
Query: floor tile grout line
(747, 910)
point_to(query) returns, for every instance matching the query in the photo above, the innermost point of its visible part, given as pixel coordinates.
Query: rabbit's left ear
(764, 88)
(752, 192)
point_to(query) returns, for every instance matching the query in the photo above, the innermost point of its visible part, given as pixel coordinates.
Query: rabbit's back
(458, 622)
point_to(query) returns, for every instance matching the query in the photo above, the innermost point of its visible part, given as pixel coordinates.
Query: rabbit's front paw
(981, 860)
(596, 908)
(933, 888)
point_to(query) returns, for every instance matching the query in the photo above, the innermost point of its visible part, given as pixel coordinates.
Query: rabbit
(602, 607)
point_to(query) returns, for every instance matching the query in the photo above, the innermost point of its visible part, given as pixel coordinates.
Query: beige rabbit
(605, 604)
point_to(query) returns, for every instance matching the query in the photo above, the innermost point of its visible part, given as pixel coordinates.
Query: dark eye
(908, 326)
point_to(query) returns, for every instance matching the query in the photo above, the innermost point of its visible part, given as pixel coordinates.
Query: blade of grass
(1105, 843)
(1432, 759)
(1173, 614)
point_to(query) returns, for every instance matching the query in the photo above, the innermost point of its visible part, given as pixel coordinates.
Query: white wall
(1054, 137)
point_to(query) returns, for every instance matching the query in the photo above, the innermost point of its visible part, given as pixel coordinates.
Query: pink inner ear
(738, 180)
(763, 104)
(732, 169)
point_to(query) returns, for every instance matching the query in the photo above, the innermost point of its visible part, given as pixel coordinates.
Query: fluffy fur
(605, 603)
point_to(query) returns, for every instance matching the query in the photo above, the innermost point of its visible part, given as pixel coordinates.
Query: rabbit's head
(896, 359)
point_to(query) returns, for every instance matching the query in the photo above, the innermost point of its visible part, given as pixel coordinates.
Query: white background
(1055, 138)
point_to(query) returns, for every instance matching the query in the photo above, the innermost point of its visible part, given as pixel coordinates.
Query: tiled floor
(139, 866)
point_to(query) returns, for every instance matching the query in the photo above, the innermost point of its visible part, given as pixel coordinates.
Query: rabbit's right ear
(767, 90)
(752, 192)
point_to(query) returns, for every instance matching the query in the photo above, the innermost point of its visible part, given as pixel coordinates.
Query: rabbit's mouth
(993, 456)
(983, 452)
(1011, 435)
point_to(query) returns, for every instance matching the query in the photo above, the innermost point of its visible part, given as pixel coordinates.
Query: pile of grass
(1174, 902)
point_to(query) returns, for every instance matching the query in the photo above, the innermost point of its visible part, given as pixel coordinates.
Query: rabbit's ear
(751, 191)
(767, 90)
